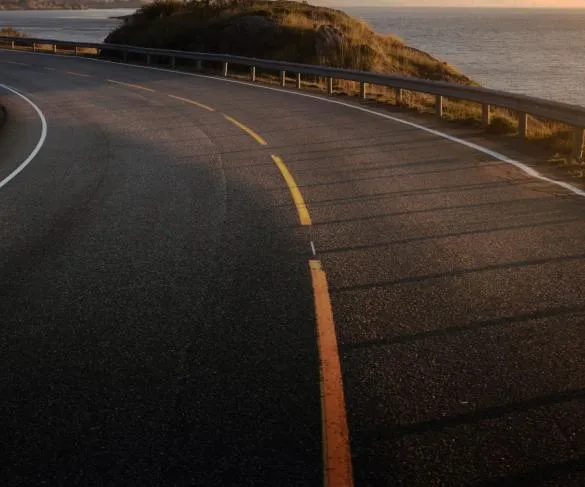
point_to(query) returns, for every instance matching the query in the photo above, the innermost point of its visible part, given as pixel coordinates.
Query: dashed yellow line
(337, 471)
(246, 129)
(193, 102)
(297, 197)
(73, 73)
(130, 85)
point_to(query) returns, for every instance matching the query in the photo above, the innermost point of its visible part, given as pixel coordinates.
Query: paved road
(157, 323)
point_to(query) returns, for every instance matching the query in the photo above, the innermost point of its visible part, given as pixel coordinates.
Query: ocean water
(538, 52)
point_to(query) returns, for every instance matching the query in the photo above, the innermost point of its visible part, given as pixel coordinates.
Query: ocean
(64, 25)
(539, 52)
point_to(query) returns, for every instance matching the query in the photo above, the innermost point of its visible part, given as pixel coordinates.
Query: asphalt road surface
(157, 318)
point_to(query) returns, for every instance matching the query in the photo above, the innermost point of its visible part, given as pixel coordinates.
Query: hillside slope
(280, 30)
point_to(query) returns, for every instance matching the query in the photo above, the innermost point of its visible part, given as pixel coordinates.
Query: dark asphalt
(156, 318)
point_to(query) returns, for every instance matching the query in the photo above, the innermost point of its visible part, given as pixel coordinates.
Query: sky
(454, 3)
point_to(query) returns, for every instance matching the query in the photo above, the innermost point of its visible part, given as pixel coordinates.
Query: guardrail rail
(571, 115)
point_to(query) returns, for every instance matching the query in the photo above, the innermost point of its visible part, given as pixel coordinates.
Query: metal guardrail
(572, 115)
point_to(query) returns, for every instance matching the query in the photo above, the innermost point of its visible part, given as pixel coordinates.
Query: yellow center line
(248, 130)
(73, 73)
(297, 197)
(130, 85)
(337, 471)
(193, 102)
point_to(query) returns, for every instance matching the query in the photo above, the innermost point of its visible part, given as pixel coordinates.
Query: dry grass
(280, 30)
(298, 27)
(555, 139)
(10, 32)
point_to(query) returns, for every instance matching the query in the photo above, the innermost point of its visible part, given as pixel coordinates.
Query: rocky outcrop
(283, 31)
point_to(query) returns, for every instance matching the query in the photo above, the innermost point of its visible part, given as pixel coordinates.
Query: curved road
(157, 317)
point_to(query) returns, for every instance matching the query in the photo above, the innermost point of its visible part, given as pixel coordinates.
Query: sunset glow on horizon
(454, 3)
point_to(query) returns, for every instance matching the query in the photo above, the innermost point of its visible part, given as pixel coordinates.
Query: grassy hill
(299, 32)
(281, 30)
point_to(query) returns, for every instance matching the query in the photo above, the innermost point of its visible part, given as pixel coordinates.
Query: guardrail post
(330, 86)
(12, 45)
(283, 79)
(522, 124)
(398, 95)
(486, 115)
(199, 65)
(439, 106)
(34, 47)
(125, 56)
(363, 91)
(54, 48)
(173, 62)
(76, 50)
(148, 59)
(578, 143)
(253, 73)
(299, 81)
(225, 69)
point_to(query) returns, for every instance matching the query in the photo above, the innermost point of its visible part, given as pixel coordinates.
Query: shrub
(502, 125)
(10, 32)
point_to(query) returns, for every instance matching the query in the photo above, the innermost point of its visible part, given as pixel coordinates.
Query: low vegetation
(10, 32)
(548, 138)
(280, 30)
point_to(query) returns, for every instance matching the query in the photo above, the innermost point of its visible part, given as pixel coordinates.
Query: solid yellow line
(337, 469)
(248, 130)
(297, 197)
(78, 74)
(193, 102)
(129, 85)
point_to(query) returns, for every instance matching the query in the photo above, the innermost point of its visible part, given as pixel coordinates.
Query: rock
(327, 41)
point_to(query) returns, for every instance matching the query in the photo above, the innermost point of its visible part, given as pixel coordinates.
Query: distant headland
(68, 4)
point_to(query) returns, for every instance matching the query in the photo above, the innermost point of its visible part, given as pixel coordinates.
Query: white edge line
(313, 249)
(496, 155)
(39, 145)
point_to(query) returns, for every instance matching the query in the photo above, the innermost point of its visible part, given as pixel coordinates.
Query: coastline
(46, 9)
